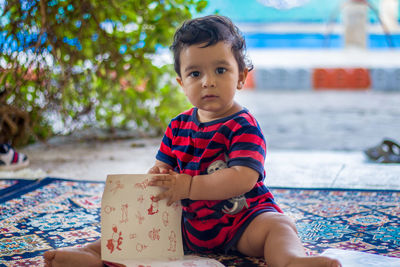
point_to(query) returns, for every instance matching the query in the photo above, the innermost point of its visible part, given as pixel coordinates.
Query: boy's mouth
(209, 96)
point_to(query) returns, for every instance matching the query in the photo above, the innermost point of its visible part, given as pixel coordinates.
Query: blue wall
(314, 41)
(313, 11)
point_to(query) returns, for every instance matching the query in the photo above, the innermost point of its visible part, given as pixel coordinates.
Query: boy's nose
(208, 81)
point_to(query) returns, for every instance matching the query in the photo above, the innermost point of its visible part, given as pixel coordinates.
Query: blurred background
(326, 76)
(327, 73)
(313, 24)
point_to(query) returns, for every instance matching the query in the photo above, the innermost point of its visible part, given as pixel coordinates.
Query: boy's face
(209, 77)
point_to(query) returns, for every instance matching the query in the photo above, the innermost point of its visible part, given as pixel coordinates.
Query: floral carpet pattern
(37, 215)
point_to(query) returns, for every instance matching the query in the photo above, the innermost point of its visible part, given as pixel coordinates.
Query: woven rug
(37, 215)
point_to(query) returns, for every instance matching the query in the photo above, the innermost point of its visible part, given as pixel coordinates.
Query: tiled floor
(287, 168)
(329, 170)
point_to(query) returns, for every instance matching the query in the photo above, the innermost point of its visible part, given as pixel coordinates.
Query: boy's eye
(220, 70)
(194, 74)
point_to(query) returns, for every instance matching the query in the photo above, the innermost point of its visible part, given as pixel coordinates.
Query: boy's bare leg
(274, 236)
(89, 255)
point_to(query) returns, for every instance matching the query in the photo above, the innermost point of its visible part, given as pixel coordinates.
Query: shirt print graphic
(239, 202)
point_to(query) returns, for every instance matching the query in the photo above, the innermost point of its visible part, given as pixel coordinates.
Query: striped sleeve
(248, 147)
(165, 154)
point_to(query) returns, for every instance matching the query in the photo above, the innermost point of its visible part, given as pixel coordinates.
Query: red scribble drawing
(154, 234)
(115, 241)
(132, 236)
(140, 247)
(108, 209)
(124, 210)
(165, 218)
(116, 187)
(172, 242)
(153, 207)
(142, 185)
(140, 199)
(140, 217)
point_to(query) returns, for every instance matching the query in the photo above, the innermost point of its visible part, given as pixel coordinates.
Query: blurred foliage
(85, 63)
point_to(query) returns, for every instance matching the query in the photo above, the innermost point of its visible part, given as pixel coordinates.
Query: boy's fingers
(172, 172)
(164, 181)
(159, 197)
(165, 184)
(164, 195)
(170, 200)
(154, 170)
(160, 178)
(165, 171)
(157, 180)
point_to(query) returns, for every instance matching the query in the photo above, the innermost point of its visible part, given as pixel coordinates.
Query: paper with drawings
(137, 230)
(187, 261)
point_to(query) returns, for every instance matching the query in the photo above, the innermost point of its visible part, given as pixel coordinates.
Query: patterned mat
(37, 215)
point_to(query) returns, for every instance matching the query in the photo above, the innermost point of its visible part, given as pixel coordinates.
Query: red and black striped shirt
(192, 147)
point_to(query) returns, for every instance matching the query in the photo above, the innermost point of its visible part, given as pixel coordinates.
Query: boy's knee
(253, 240)
(282, 220)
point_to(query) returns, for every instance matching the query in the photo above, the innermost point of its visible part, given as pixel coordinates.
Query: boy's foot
(314, 261)
(72, 257)
(11, 160)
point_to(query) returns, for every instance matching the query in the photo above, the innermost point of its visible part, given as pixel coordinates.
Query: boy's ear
(242, 78)
(179, 80)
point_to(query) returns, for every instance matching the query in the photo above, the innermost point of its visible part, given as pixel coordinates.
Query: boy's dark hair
(210, 30)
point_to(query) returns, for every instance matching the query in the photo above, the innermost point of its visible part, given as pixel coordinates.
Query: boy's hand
(158, 170)
(177, 186)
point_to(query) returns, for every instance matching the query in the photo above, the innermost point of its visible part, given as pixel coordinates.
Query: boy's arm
(220, 185)
(223, 184)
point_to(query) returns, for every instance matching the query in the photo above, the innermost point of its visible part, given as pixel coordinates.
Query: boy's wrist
(188, 185)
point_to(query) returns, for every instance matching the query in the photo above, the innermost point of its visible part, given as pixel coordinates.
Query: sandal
(386, 152)
(11, 160)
